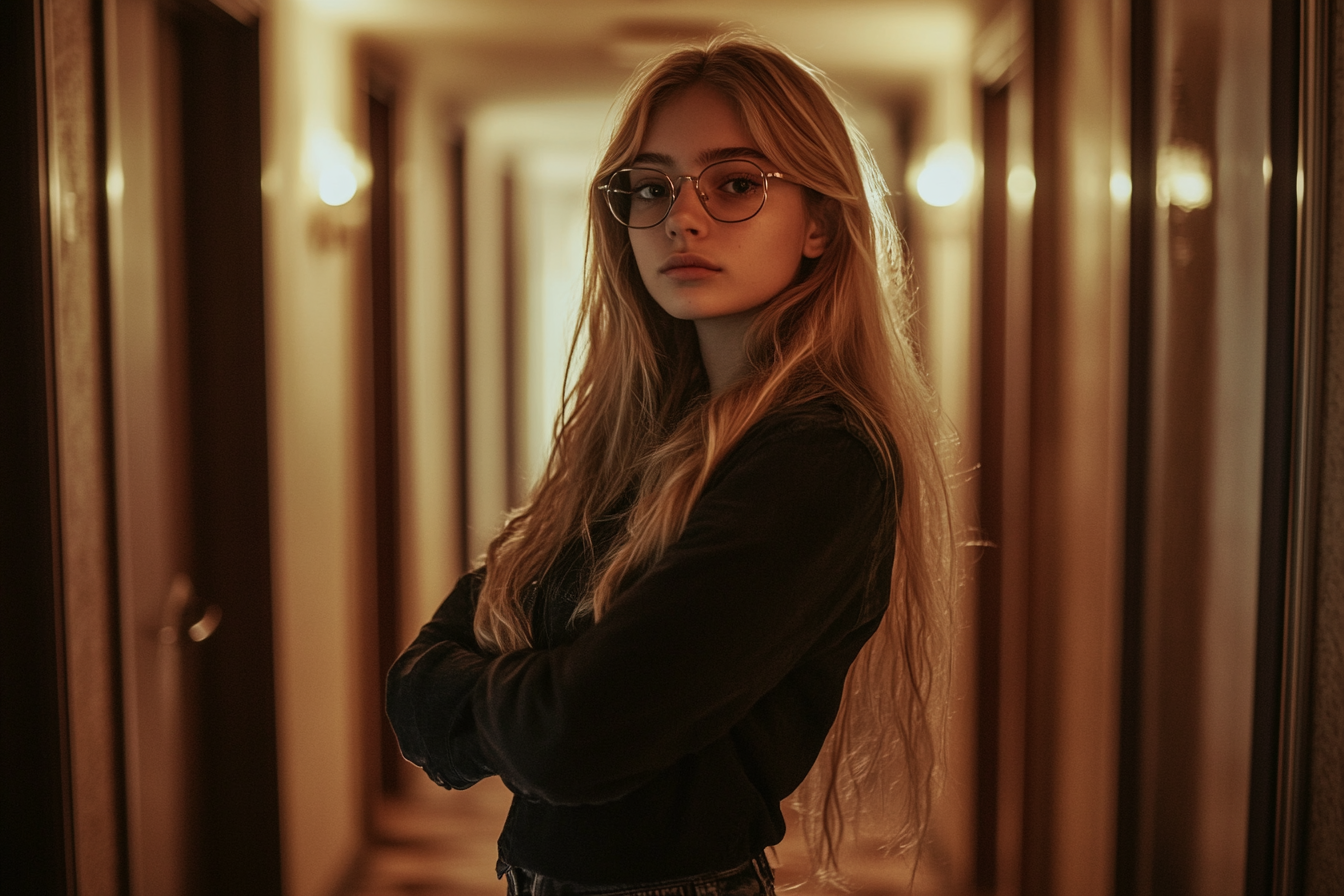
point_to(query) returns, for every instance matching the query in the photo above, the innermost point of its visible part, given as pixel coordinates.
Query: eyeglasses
(731, 191)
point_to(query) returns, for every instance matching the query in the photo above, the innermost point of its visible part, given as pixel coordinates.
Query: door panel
(220, 113)
(151, 474)
(189, 405)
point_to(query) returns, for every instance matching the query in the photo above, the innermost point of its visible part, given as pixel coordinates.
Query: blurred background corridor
(293, 287)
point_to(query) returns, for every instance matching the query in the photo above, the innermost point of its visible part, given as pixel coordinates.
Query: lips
(688, 265)
(685, 267)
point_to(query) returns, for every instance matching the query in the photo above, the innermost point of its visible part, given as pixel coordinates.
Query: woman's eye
(650, 191)
(735, 185)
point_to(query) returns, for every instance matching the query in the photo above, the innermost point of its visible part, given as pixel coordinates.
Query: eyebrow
(707, 157)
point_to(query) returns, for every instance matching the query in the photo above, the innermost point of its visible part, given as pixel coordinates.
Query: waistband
(753, 878)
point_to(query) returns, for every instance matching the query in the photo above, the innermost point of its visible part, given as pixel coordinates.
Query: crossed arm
(776, 554)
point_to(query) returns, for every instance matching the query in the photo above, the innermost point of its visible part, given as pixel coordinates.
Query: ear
(820, 222)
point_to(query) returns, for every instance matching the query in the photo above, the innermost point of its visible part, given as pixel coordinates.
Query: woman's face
(698, 268)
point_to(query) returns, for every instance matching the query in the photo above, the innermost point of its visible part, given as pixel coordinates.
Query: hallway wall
(314, 450)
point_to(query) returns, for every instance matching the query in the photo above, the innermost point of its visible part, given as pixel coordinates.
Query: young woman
(738, 558)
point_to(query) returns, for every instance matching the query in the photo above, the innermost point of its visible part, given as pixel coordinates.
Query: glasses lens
(734, 190)
(639, 197)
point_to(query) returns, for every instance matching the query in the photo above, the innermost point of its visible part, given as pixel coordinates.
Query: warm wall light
(1021, 185)
(332, 167)
(1121, 187)
(116, 183)
(336, 175)
(336, 185)
(947, 175)
(1183, 177)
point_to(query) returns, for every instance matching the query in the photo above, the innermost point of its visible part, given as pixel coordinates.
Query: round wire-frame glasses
(731, 191)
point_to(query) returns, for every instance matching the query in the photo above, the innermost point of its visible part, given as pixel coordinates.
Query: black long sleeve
(429, 692)
(706, 689)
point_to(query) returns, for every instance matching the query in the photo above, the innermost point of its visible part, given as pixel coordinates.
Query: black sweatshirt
(659, 742)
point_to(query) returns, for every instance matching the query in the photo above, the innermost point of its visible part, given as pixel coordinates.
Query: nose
(687, 214)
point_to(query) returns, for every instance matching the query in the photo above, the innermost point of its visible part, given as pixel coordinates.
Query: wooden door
(149, 405)
(189, 409)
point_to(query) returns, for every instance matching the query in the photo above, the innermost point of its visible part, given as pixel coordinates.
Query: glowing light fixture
(334, 176)
(1121, 187)
(333, 167)
(1183, 177)
(336, 184)
(116, 183)
(947, 175)
(1021, 185)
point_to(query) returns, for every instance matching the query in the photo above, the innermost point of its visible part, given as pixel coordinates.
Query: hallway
(444, 846)
(284, 337)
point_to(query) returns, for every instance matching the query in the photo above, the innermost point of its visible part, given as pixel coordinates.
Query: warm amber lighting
(116, 183)
(948, 172)
(334, 169)
(1183, 177)
(336, 184)
(1021, 185)
(1121, 187)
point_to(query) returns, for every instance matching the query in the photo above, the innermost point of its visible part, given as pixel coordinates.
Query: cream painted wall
(555, 182)
(944, 261)
(532, 140)
(487, 461)
(430, 525)
(946, 257)
(306, 78)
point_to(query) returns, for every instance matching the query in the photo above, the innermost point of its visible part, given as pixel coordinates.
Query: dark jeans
(755, 878)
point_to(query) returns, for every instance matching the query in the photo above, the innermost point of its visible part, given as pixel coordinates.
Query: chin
(682, 310)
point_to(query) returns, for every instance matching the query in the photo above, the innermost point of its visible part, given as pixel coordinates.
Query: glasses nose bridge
(676, 189)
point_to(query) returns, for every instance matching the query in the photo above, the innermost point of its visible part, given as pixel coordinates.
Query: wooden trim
(1143, 175)
(1040, 784)
(385, 361)
(83, 498)
(989, 569)
(1277, 602)
(512, 297)
(34, 768)
(1287, 865)
(457, 339)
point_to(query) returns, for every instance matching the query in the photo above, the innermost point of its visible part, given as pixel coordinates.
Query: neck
(723, 348)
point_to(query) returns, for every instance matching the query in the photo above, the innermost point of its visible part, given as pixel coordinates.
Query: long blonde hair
(639, 420)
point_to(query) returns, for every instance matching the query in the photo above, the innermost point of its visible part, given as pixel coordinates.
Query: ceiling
(506, 45)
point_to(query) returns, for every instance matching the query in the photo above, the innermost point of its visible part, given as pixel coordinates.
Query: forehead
(695, 126)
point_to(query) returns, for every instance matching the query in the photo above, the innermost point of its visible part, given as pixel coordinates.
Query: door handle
(205, 626)
(183, 604)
